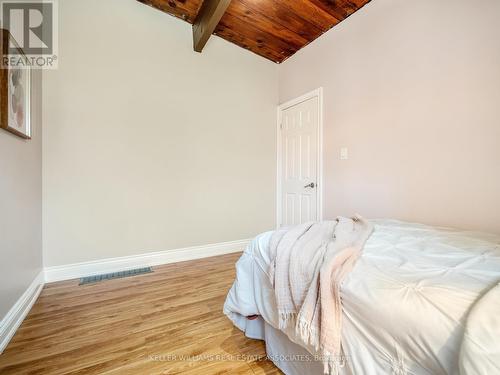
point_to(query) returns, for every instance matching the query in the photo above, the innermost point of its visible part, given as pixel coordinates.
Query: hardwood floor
(166, 322)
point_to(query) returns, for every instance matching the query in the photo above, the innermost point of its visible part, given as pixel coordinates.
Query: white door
(299, 161)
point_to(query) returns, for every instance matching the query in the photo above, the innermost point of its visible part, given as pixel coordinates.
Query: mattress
(405, 304)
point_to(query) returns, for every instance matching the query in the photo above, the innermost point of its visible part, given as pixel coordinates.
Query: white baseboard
(11, 322)
(77, 270)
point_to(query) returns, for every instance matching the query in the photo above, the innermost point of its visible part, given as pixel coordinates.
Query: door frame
(279, 193)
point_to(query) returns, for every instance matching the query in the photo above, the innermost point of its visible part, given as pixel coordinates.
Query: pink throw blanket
(310, 262)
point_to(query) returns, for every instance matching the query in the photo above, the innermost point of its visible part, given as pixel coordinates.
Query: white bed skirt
(289, 357)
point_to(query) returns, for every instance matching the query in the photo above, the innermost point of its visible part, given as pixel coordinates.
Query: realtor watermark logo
(33, 29)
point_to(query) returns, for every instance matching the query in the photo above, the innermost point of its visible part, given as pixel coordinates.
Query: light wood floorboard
(166, 322)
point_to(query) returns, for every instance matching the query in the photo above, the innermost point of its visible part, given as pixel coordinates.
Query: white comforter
(405, 303)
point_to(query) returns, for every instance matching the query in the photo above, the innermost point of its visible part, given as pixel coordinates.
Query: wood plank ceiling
(274, 29)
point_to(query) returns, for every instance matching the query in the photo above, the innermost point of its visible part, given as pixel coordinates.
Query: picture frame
(15, 90)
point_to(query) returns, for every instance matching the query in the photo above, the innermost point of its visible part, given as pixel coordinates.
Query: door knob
(311, 185)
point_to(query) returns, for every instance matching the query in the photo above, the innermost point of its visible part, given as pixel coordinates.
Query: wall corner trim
(11, 322)
(92, 268)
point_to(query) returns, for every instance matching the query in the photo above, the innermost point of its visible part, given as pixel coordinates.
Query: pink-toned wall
(412, 88)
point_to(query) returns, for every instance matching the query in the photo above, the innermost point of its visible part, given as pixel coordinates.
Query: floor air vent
(114, 275)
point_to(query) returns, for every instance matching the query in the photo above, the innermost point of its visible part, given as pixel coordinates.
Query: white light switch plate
(344, 153)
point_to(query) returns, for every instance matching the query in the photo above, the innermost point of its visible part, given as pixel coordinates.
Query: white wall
(412, 88)
(21, 207)
(148, 145)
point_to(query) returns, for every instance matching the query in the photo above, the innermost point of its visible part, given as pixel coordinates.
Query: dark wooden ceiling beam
(274, 29)
(207, 20)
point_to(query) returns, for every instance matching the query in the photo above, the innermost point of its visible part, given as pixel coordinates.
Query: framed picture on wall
(15, 90)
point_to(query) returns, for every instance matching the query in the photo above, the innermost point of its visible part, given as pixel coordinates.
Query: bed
(420, 300)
